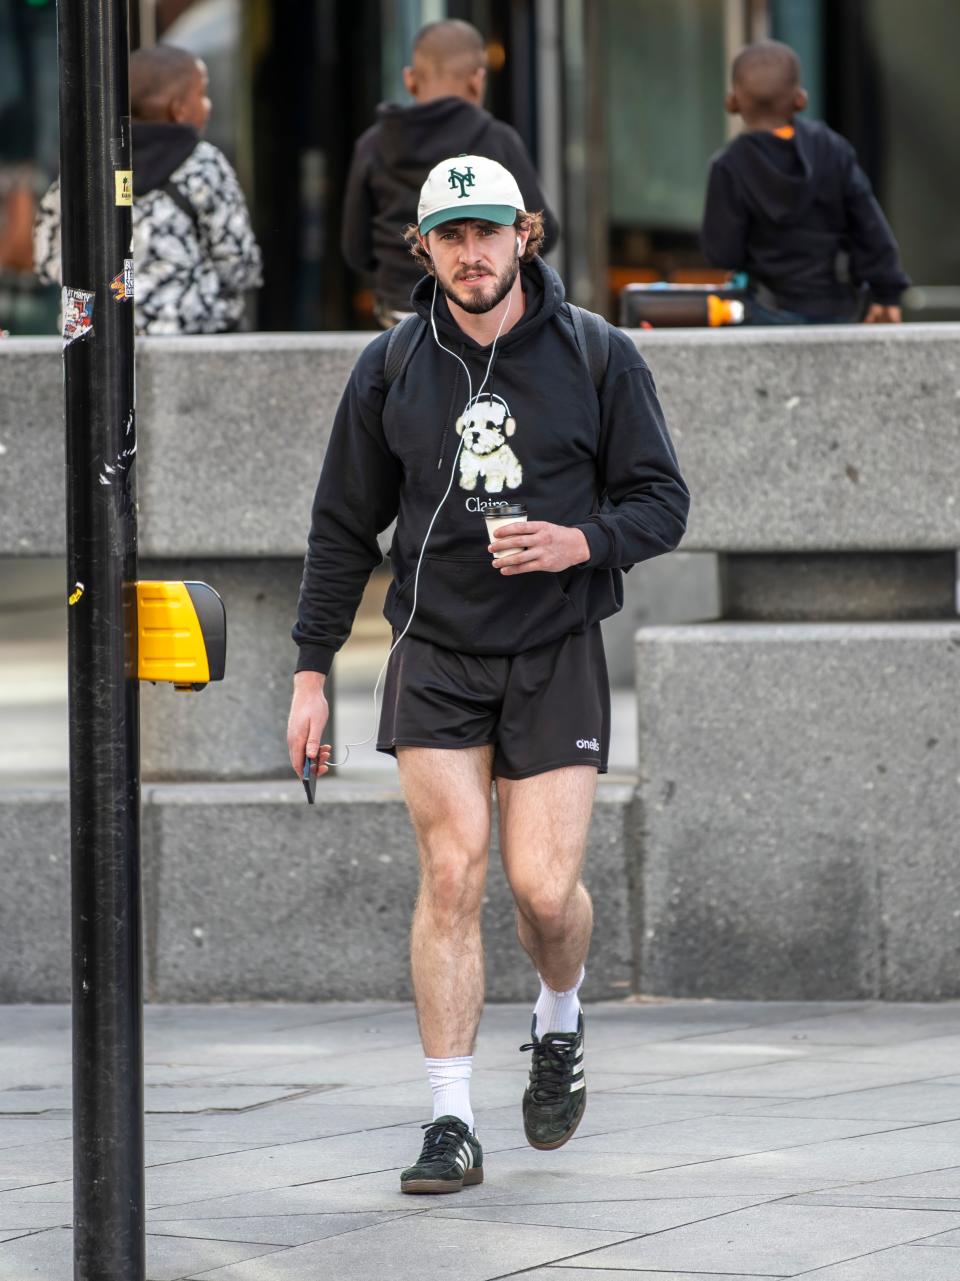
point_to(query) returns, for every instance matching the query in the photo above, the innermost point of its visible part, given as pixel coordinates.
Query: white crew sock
(450, 1082)
(558, 1011)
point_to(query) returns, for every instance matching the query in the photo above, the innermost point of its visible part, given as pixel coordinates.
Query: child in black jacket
(788, 204)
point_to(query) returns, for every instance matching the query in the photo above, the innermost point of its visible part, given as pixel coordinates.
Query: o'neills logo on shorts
(485, 504)
(585, 743)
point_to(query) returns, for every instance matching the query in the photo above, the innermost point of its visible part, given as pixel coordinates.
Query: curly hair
(532, 223)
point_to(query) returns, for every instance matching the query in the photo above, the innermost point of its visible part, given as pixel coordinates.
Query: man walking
(497, 674)
(447, 81)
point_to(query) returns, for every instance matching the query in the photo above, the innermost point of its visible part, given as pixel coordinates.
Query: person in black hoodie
(788, 204)
(497, 672)
(194, 250)
(447, 79)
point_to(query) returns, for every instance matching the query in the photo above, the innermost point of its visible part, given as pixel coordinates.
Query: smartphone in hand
(309, 779)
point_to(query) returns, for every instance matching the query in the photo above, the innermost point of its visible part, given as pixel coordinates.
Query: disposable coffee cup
(511, 514)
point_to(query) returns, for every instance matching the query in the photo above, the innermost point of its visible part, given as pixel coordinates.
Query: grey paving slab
(273, 1229)
(520, 1167)
(283, 1165)
(560, 1272)
(311, 1176)
(396, 1251)
(619, 1214)
(40, 1195)
(28, 1217)
(53, 1161)
(728, 1135)
(615, 1110)
(869, 1202)
(671, 1059)
(951, 1237)
(49, 1255)
(183, 1097)
(293, 1119)
(818, 1165)
(379, 1191)
(24, 1100)
(943, 1182)
(18, 1131)
(871, 1023)
(937, 1054)
(902, 1263)
(923, 1101)
(39, 1163)
(798, 1078)
(768, 1240)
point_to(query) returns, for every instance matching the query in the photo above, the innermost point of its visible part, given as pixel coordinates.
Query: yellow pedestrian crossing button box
(181, 634)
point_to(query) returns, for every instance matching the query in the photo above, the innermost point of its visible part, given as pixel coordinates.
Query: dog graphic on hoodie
(485, 454)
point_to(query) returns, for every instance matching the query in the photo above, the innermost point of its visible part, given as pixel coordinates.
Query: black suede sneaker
(451, 1159)
(555, 1099)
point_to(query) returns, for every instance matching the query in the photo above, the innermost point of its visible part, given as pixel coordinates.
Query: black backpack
(590, 331)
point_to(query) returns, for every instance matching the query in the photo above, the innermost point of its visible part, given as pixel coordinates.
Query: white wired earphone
(471, 401)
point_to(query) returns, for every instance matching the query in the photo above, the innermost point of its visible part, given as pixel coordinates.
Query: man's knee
(452, 879)
(547, 907)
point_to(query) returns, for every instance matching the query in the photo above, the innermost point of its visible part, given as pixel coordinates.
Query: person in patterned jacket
(194, 251)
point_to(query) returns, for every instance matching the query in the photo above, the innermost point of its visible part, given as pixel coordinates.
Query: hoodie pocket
(464, 604)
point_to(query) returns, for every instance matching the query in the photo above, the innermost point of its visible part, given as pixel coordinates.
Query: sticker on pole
(77, 314)
(124, 186)
(121, 286)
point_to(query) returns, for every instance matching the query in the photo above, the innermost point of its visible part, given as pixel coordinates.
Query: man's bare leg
(543, 825)
(543, 835)
(448, 795)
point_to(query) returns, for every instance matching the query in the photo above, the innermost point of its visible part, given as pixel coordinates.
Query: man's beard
(478, 304)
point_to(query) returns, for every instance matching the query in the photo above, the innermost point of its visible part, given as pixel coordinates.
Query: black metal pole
(96, 193)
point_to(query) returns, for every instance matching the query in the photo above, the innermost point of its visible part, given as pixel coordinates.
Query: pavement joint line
(865, 1183)
(288, 1214)
(835, 1094)
(849, 1205)
(612, 1272)
(564, 1260)
(251, 1107)
(178, 1236)
(631, 1200)
(466, 1218)
(867, 1254)
(361, 1227)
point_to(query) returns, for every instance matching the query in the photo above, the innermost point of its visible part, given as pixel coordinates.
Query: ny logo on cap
(462, 180)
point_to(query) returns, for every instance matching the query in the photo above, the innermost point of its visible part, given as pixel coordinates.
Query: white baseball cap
(468, 187)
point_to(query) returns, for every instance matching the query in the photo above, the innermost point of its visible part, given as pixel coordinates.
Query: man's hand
(543, 547)
(308, 718)
(878, 314)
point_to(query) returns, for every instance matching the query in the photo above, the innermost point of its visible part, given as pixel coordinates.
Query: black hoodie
(573, 451)
(798, 215)
(390, 164)
(158, 151)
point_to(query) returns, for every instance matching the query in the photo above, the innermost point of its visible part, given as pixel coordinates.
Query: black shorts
(541, 710)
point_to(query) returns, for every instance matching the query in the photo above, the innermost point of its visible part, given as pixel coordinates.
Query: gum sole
(551, 1147)
(434, 1186)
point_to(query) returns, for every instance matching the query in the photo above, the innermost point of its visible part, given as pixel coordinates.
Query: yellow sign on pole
(124, 184)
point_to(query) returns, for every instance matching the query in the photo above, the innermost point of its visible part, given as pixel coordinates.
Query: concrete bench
(840, 439)
(766, 852)
(250, 894)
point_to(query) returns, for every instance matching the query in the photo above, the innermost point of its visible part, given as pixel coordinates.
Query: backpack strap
(182, 201)
(402, 343)
(593, 339)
